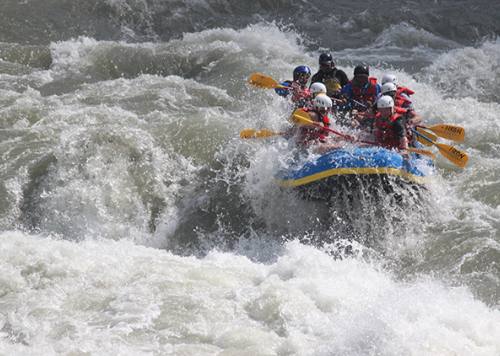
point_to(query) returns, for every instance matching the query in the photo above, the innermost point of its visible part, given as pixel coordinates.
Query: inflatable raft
(319, 177)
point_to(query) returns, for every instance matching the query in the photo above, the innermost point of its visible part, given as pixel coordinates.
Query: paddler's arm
(400, 131)
(403, 143)
(315, 118)
(362, 119)
(414, 118)
(327, 146)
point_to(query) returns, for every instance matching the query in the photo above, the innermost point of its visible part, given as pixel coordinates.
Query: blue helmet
(301, 71)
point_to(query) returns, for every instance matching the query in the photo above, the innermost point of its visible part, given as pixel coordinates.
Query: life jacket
(310, 134)
(300, 94)
(330, 79)
(404, 113)
(401, 101)
(404, 90)
(366, 94)
(400, 110)
(332, 83)
(384, 130)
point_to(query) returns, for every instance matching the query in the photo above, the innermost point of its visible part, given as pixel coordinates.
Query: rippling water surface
(134, 220)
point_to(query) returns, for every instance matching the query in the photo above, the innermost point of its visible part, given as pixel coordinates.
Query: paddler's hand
(403, 146)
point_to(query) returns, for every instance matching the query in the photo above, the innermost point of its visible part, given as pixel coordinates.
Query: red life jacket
(404, 90)
(367, 93)
(384, 131)
(309, 134)
(300, 92)
(401, 101)
(400, 110)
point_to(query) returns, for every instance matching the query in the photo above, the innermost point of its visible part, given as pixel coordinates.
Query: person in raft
(298, 87)
(362, 91)
(389, 126)
(328, 74)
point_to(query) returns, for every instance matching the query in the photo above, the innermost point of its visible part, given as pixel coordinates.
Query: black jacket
(337, 75)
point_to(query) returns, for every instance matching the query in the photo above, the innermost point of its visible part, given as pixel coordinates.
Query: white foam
(103, 296)
(467, 72)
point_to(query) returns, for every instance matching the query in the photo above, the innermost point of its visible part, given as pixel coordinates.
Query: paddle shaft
(352, 139)
(348, 137)
(447, 131)
(454, 155)
(424, 137)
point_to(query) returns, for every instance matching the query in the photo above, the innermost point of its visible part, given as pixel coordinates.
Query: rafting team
(383, 111)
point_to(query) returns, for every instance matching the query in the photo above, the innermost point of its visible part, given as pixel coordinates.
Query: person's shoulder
(347, 86)
(314, 115)
(341, 73)
(405, 96)
(316, 77)
(400, 120)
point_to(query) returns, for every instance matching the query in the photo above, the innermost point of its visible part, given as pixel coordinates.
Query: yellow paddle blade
(421, 152)
(301, 117)
(429, 135)
(264, 81)
(453, 154)
(449, 132)
(247, 133)
(252, 133)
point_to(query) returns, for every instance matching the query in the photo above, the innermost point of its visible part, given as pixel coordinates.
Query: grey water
(134, 220)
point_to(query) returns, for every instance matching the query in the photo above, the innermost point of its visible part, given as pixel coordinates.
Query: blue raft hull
(324, 174)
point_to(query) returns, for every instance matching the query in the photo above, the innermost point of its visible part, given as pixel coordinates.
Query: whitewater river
(135, 221)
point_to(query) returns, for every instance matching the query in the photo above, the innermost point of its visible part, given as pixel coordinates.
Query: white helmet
(322, 101)
(385, 101)
(389, 78)
(317, 88)
(388, 87)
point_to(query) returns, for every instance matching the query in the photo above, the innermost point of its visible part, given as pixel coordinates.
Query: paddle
(264, 133)
(360, 103)
(264, 81)
(454, 155)
(428, 135)
(421, 152)
(449, 132)
(303, 118)
(252, 133)
(300, 117)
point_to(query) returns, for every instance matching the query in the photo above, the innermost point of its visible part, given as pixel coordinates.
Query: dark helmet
(301, 70)
(361, 70)
(325, 58)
